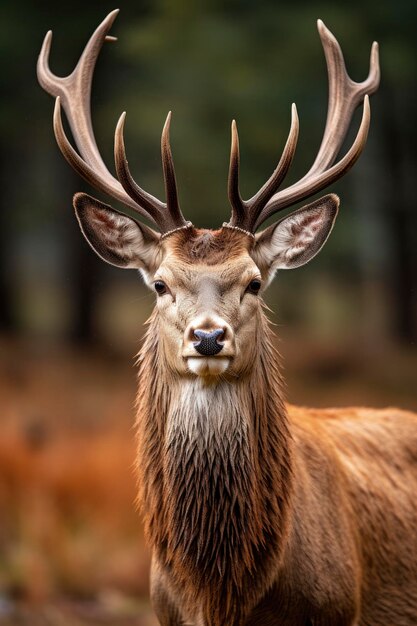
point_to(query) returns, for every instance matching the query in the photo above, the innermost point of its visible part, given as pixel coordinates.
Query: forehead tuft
(210, 247)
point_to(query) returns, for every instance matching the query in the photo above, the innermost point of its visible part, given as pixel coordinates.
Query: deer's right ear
(115, 237)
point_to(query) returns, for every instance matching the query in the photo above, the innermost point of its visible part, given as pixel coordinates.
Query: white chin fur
(210, 366)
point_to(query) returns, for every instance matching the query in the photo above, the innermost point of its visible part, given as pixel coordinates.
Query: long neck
(214, 465)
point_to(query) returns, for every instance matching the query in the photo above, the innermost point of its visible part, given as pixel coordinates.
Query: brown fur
(211, 247)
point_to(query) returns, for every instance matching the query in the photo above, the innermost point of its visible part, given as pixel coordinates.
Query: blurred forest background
(71, 547)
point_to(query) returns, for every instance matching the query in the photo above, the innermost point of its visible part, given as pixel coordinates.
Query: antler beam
(344, 96)
(73, 94)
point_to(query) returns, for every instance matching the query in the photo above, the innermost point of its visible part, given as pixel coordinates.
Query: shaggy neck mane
(214, 476)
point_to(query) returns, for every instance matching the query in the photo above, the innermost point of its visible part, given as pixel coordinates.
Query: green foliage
(209, 62)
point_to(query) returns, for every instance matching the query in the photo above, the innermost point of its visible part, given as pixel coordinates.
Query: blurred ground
(69, 532)
(71, 544)
(77, 614)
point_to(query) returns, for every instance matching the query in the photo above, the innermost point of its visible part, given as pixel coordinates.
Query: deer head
(208, 283)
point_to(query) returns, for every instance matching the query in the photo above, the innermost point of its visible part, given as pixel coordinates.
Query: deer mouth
(208, 366)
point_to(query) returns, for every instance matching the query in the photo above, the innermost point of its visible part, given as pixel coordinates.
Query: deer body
(259, 513)
(256, 513)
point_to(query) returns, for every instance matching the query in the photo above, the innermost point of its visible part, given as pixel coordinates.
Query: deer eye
(160, 287)
(254, 286)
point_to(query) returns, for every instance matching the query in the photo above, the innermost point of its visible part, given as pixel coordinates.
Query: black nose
(208, 344)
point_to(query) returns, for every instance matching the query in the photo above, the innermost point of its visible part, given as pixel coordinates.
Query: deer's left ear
(117, 238)
(297, 238)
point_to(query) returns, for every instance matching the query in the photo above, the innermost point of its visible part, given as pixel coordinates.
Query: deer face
(208, 284)
(207, 300)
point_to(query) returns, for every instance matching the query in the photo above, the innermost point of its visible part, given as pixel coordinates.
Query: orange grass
(68, 525)
(68, 522)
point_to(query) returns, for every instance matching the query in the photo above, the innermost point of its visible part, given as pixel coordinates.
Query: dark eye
(254, 286)
(160, 287)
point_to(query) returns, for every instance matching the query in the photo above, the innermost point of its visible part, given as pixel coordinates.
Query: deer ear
(115, 237)
(297, 238)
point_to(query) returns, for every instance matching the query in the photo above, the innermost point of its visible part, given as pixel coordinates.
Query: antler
(73, 92)
(344, 96)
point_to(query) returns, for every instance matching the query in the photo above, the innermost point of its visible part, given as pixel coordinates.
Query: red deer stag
(257, 513)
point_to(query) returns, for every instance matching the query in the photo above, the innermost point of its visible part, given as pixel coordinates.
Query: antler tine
(344, 96)
(169, 174)
(238, 205)
(73, 92)
(139, 195)
(167, 215)
(245, 213)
